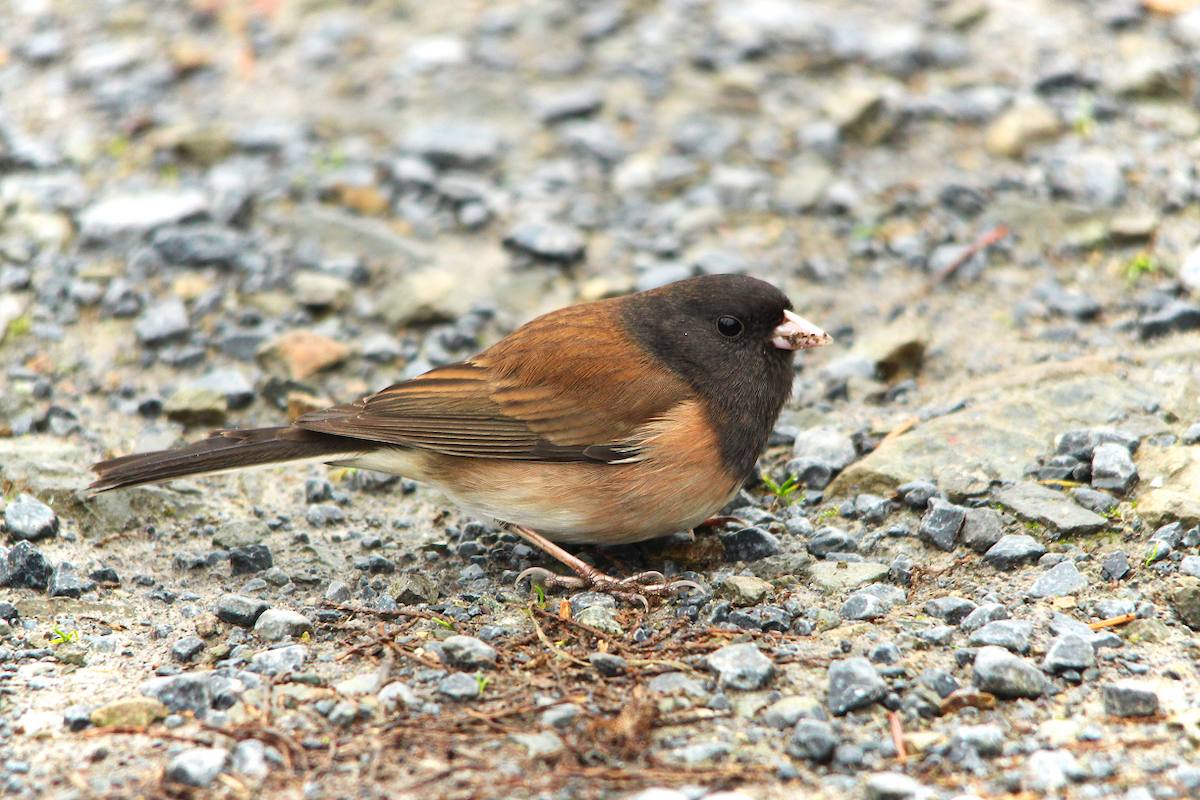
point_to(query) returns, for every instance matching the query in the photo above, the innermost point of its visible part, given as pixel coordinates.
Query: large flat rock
(1007, 425)
(1055, 510)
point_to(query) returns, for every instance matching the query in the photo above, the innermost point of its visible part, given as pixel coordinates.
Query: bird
(606, 422)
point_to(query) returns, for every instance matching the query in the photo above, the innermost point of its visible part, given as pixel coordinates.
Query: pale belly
(577, 503)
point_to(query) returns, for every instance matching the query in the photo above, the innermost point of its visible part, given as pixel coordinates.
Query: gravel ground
(972, 565)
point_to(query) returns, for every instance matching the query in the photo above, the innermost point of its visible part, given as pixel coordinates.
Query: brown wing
(566, 387)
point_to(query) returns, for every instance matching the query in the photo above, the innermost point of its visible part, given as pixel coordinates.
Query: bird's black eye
(729, 326)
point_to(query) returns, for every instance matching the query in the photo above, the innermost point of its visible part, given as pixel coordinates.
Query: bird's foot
(635, 588)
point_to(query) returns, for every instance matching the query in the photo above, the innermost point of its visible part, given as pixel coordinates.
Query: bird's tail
(223, 451)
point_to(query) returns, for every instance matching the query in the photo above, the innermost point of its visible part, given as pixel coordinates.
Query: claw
(549, 578)
(677, 586)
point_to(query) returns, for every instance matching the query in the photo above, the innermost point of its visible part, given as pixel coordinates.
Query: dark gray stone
(121, 299)
(813, 740)
(1070, 651)
(1113, 469)
(1129, 699)
(1081, 443)
(239, 610)
(1014, 550)
(548, 240)
(65, 581)
(187, 648)
(197, 766)
(199, 245)
(1177, 316)
(952, 609)
(981, 529)
(853, 683)
(277, 624)
(584, 600)
(323, 516)
(317, 490)
(249, 759)
(25, 568)
(459, 143)
(77, 718)
(467, 652)
(1011, 634)
(917, 494)
(761, 618)
(740, 666)
(1008, 676)
(30, 518)
(986, 740)
(1064, 468)
(579, 101)
(1192, 435)
(165, 322)
(1059, 580)
(825, 444)
(1171, 533)
(831, 540)
(190, 691)
(812, 473)
(279, 660)
(871, 508)
(941, 524)
(607, 664)
(862, 605)
(885, 653)
(893, 786)
(459, 686)
(988, 612)
(250, 559)
(236, 387)
(1100, 502)
(751, 544)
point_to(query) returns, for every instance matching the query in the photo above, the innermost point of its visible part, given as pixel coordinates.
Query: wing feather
(590, 401)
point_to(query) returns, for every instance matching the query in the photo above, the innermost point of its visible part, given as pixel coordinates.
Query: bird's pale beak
(797, 333)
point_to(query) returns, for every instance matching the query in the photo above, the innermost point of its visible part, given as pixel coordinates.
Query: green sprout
(1139, 265)
(1085, 122)
(540, 593)
(21, 326)
(483, 681)
(118, 146)
(444, 623)
(863, 231)
(62, 637)
(783, 491)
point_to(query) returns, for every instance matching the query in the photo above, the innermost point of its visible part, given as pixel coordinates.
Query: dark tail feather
(220, 452)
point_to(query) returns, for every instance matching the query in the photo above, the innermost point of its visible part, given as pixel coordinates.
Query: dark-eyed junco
(606, 422)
